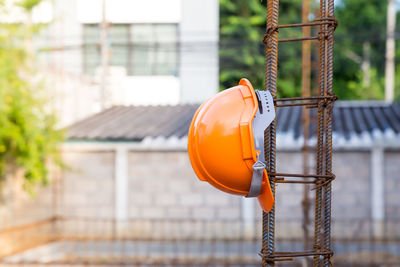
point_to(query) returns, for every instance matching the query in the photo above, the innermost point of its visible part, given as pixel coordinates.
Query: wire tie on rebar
(277, 179)
(270, 30)
(271, 259)
(333, 97)
(329, 180)
(328, 255)
(331, 21)
(322, 35)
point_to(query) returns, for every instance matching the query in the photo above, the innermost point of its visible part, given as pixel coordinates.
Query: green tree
(28, 135)
(242, 53)
(359, 41)
(242, 24)
(362, 24)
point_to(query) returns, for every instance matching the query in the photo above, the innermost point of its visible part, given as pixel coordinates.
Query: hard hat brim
(266, 198)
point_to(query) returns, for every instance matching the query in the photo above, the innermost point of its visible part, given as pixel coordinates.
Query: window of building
(143, 49)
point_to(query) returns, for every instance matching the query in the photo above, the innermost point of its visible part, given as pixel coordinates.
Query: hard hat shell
(221, 143)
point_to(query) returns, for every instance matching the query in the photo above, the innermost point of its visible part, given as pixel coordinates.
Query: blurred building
(157, 52)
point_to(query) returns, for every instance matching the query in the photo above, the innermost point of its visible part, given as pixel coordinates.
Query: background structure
(136, 197)
(125, 84)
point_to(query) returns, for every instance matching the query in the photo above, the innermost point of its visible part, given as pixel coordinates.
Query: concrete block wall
(31, 213)
(392, 193)
(288, 198)
(351, 206)
(162, 187)
(19, 207)
(392, 186)
(88, 187)
(351, 192)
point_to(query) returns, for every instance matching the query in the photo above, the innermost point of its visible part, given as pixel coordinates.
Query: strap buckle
(256, 180)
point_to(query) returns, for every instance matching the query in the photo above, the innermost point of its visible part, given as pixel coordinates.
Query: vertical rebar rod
(320, 134)
(329, 129)
(271, 58)
(306, 90)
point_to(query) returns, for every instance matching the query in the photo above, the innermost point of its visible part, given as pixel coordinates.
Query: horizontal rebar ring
(328, 97)
(283, 181)
(297, 175)
(307, 104)
(288, 256)
(310, 38)
(314, 103)
(316, 22)
(330, 21)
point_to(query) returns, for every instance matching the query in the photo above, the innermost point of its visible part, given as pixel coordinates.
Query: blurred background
(96, 97)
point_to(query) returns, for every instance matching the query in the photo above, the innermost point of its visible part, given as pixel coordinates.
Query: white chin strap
(264, 117)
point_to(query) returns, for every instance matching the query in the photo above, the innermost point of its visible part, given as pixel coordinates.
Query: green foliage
(355, 89)
(241, 51)
(28, 135)
(359, 22)
(28, 5)
(242, 25)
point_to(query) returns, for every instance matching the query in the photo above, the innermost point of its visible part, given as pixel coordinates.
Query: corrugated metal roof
(352, 120)
(134, 123)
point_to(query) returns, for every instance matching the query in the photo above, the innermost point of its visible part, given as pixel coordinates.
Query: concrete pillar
(121, 183)
(198, 62)
(390, 51)
(248, 217)
(377, 191)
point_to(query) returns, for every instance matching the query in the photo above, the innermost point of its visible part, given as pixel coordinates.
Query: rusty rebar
(306, 91)
(324, 98)
(324, 102)
(309, 38)
(306, 104)
(329, 130)
(320, 135)
(298, 175)
(271, 71)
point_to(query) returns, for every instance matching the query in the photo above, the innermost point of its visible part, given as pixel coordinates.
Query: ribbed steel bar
(329, 129)
(297, 175)
(307, 24)
(328, 97)
(310, 38)
(306, 91)
(294, 182)
(271, 71)
(320, 135)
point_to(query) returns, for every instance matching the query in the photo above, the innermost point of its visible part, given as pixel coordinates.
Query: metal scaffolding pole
(324, 101)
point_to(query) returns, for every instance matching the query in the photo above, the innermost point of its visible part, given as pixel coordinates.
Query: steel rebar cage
(324, 102)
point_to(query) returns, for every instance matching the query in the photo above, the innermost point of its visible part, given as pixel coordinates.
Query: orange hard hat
(226, 142)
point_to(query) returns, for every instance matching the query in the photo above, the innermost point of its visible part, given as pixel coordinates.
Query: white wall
(132, 11)
(157, 90)
(199, 35)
